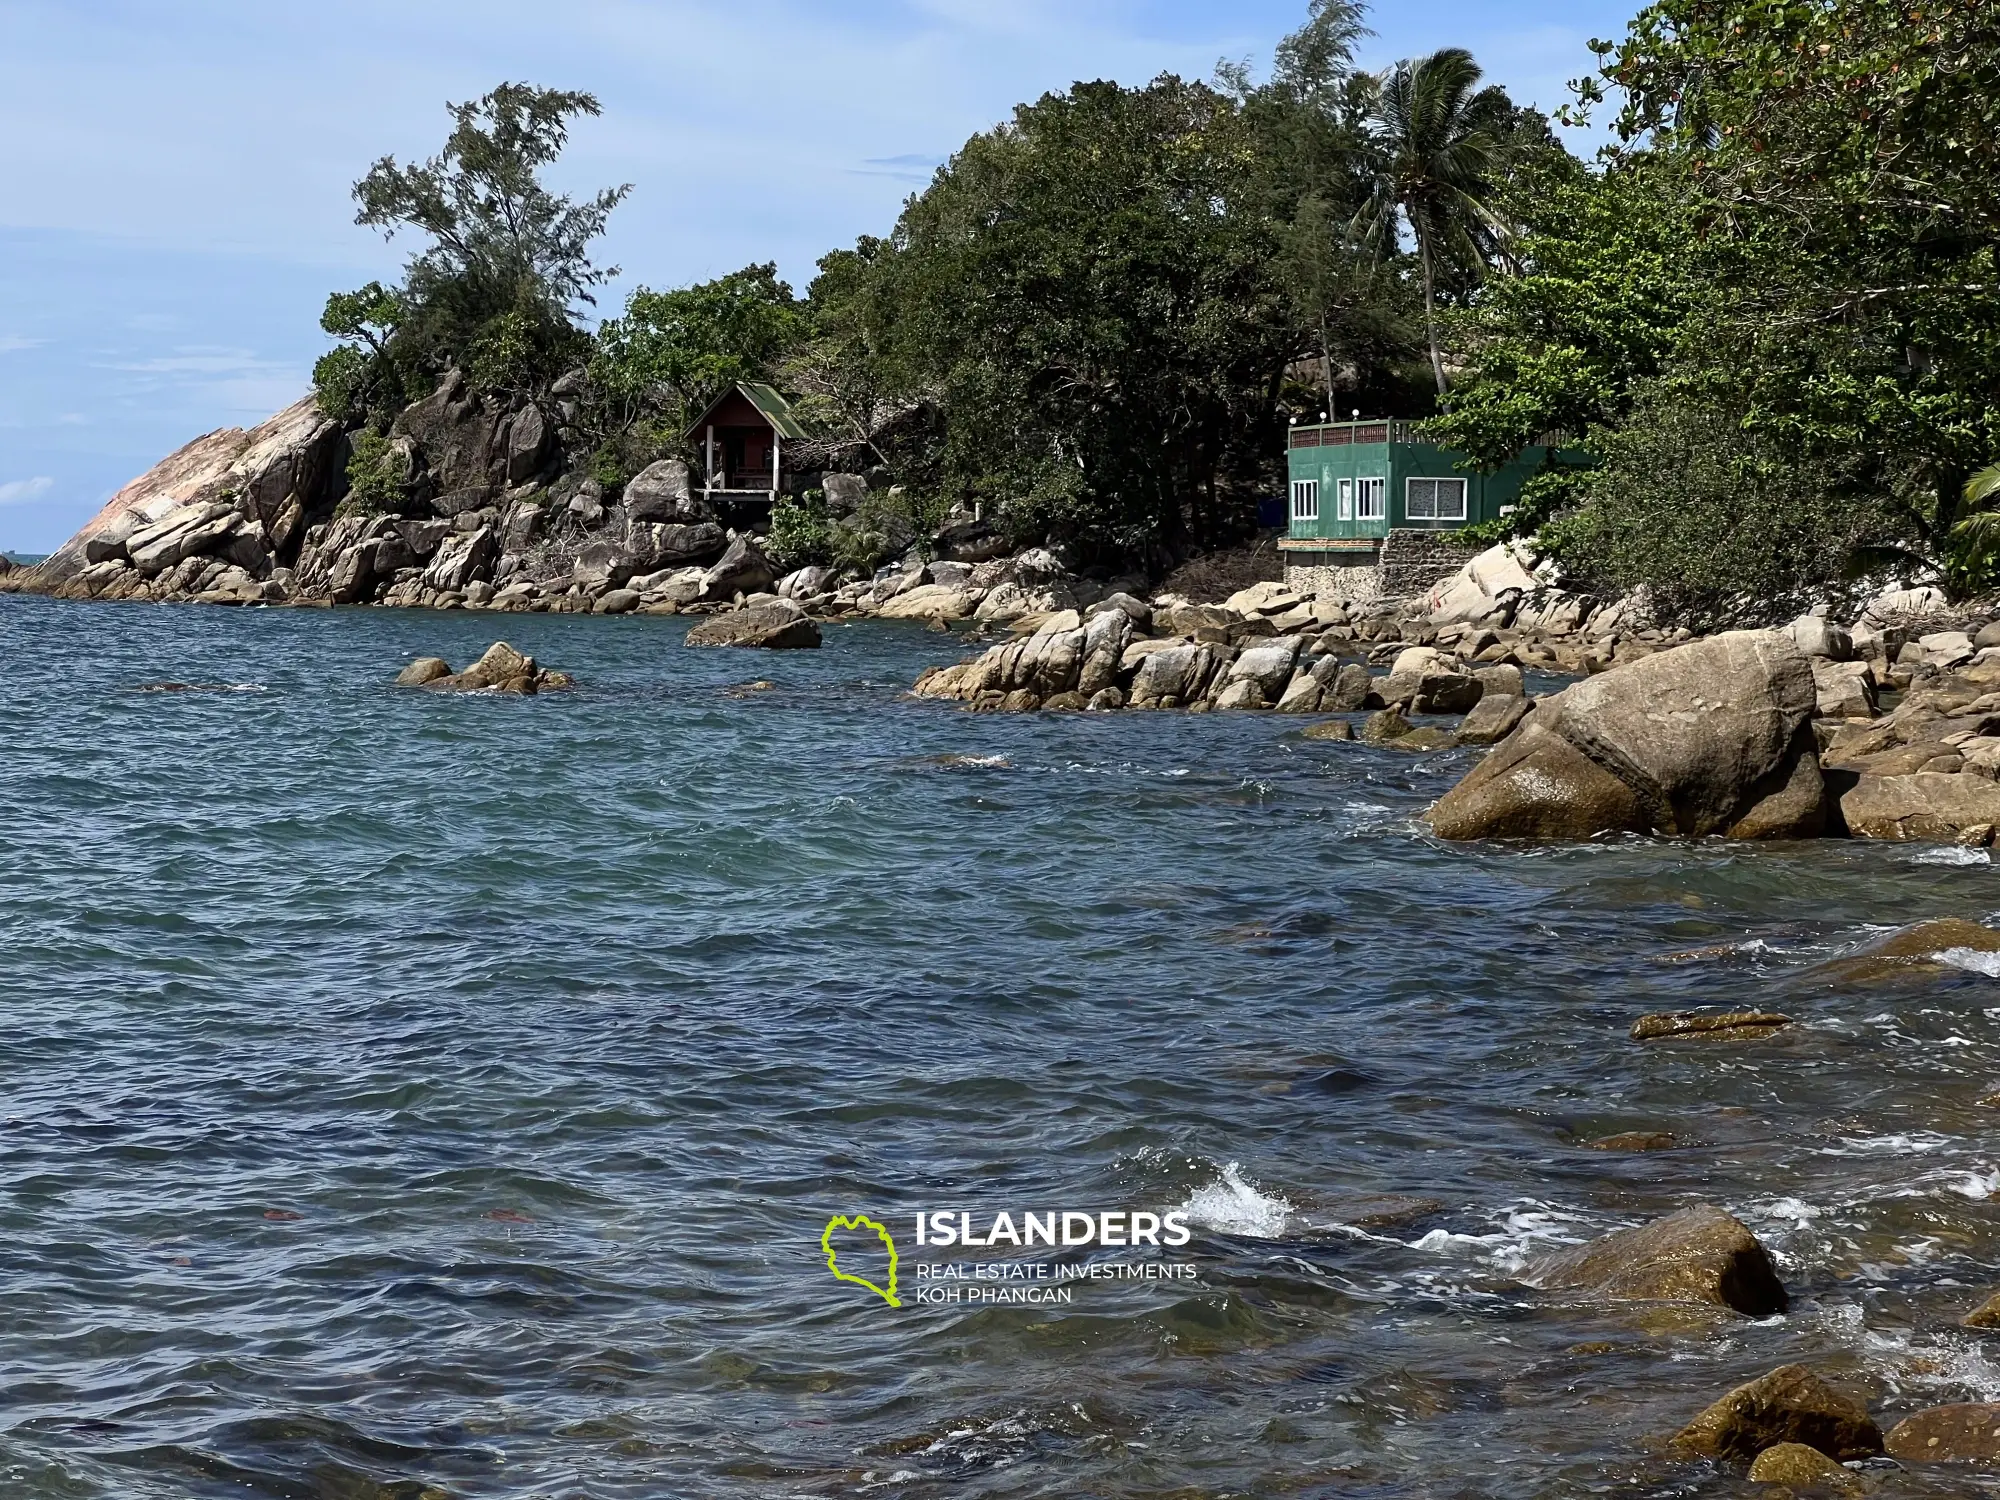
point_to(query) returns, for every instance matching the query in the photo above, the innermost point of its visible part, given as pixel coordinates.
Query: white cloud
(10, 342)
(20, 491)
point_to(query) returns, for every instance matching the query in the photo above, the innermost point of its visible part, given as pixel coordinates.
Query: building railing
(1341, 434)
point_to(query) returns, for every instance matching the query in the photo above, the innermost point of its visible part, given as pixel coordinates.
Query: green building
(1363, 494)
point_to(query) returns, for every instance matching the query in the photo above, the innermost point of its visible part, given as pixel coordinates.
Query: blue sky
(174, 209)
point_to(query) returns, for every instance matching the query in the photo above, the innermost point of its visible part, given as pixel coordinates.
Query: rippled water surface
(410, 1095)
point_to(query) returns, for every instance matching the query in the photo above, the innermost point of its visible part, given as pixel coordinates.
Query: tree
(674, 352)
(1085, 299)
(1437, 139)
(499, 287)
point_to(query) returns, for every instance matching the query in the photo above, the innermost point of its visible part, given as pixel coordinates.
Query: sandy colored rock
(1493, 718)
(1796, 1463)
(1330, 729)
(501, 670)
(1964, 1434)
(778, 626)
(1709, 1025)
(1700, 1254)
(1696, 731)
(1536, 785)
(425, 669)
(1789, 1405)
(1914, 948)
(1925, 805)
(1987, 1314)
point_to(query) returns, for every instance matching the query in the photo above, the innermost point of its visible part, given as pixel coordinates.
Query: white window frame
(1436, 511)
(1344, 500)
(1305, 499)
(1371, 499)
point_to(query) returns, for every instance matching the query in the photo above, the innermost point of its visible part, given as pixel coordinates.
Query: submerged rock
(1709, 1025)
(1330, 729)
(778, 626)
(1700, 1254)
(1967, 1433)
(1789, 1405)
(1916, 947)
(1987, 1314)
(1797, 1463)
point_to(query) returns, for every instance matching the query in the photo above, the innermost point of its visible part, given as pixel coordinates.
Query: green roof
(774, 408)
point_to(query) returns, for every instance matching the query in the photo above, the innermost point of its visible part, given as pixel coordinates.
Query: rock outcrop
(501, 669)
(1700, 1254)
(1968, 1433)
(773, 625)
(1712, 737)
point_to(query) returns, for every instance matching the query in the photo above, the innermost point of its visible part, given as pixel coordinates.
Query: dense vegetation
(1769, 316)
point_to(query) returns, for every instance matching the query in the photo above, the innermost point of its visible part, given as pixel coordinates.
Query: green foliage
(376, 475)
(497, 288)
(1438, 142)
(1722, 522)
(674, 352)
(801, 535)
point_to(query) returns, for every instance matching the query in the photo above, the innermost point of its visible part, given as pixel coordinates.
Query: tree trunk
(1430, 303)
(1326, 367)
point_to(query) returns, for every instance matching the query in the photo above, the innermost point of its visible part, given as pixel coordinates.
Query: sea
(407, 1096)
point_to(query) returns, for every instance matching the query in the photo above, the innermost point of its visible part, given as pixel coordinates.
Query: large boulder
(1789, 1405)
(1497, 575)
(742, 569)
(778, 626)
(932, 599)
(463, 557)
(1924, 805)
(662, 492)
(1711, 737)
(1700, 1254)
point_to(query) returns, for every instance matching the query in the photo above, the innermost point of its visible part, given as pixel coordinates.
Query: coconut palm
(1436, 140)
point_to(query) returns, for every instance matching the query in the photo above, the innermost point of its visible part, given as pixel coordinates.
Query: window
(1305, 500)
(1344, 500)
(1434, 499)
(1369, 496)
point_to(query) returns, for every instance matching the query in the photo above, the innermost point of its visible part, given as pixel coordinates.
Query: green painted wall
(1396, 463)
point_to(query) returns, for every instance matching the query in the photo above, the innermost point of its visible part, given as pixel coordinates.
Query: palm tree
(1436, 140)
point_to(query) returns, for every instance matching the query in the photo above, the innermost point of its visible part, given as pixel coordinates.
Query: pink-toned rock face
(254, 468)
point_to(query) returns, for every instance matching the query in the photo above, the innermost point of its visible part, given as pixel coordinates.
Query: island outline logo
(860, 1221)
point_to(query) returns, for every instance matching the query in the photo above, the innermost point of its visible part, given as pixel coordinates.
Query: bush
(801, 535)
(1723, 524)
(376, 477)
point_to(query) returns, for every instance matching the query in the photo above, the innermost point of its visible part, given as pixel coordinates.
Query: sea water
(408, 1095)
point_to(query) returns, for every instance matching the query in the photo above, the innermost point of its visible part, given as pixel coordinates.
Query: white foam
(1972, 961)
(1525, 1231)
(1232, 1205)
(1950, 854)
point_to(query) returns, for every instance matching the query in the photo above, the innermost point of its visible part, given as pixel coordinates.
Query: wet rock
(1789, 1405)
(1388, 724)
(1924, 805)
(1331, 729)
(1493, 718)
(425, 669)
(1536, 785)
(1378, 1210)
(1709, 1025)
(1634, 1140)
(501, 669)
(1798, 1464)
(1987, 1314)
(1700, 1254)
(1964, 1434)
(778, 626)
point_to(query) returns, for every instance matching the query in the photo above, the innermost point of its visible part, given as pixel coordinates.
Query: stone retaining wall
(1414, 560)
